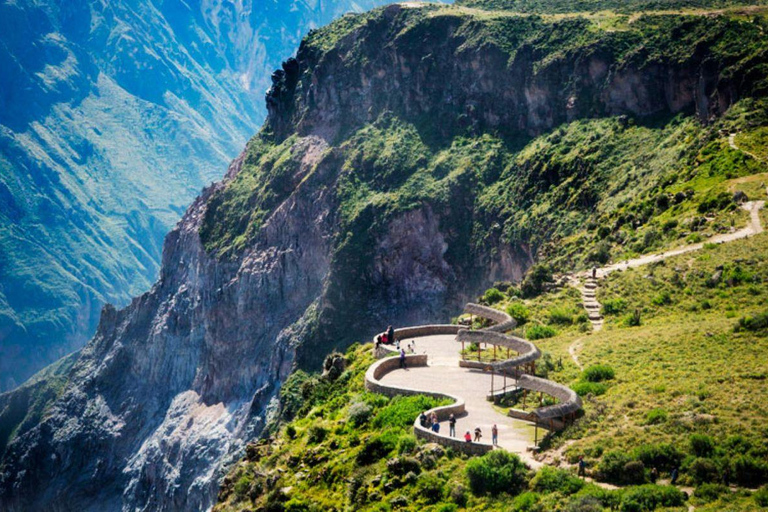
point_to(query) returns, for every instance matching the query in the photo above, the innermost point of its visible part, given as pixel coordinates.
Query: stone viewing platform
(436, 369)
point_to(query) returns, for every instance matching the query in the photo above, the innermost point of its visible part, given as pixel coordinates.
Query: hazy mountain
(113, 115)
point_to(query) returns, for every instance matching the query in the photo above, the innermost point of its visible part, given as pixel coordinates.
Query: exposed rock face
(173, 385)
(430, 70)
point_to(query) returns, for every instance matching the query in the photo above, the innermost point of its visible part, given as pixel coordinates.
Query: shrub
(611, 467)
(550, 479)
(406, 445)
(749, 471)
(702, 445)
(562, 316)
(703, 470)
(400, 466)
(659, 456)
(403, 410)
(601, 254)
(316, 434)
(646, 498)
(539, 332)
(753, 323)
(598, 373)
(359, 413)
(710, 492)
(656, 416)
(662, 299)
(634, 472)
(534, 280)
(584, 504)
(290, 431)
(430, 488)
(492, 296)
(496, 472)
(526, 502)
(583, 388)
(633, 320)
(519, 312)
(447, 507)
(761, 496)
(376, 448)
(614, 306)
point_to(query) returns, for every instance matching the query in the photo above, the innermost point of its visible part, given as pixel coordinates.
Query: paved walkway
(445, 376)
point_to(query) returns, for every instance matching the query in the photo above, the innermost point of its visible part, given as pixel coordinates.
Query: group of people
(430, 421)
(388, 337)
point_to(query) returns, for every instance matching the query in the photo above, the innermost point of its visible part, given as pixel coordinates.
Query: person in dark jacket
(391, 334)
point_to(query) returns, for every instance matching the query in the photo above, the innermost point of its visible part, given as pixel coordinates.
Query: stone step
(591, 305)
(594, 316)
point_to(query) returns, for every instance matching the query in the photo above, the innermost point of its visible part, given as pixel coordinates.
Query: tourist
(391, 334)
(468, 437)
(452, 425)
(495, 435)
(673, 481)
(435, 426)
(402, 358)
(654, 475)
(478, 434)
(434, 418)
(582, 467)
(384, 338)
(423, 419)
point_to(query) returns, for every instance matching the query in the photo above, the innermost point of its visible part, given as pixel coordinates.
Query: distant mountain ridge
(113, 115)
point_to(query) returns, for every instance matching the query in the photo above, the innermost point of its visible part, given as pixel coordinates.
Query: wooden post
(479, 352)
(463, 355)
(492, 372)
(494, 351)
(536, 433)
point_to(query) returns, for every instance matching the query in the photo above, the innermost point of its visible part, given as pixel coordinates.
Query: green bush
(539, 332)
(492, 296)
(749, 471)
(611, 467)
(403, 410)
(526, 502)
(430, 488)
(598, 373)
(550, 479)
(761, 496)
(359, 413)
(519, 312)
(656, 416)
(703, 470)
(316, 434)
(584, 388)
(662, 299)
(614, 306)
(400, 466)
(647, 498)
(633, 319)
(710, 492)
(561, 316)
(663, 456)
(753, 323)
(534, 280)
(701, 445)
(634, 472)
(376, 448)
(496, 472)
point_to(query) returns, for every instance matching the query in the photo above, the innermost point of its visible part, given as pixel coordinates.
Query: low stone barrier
(405, 333)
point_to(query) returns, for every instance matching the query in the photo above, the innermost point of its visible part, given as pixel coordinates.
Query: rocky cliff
(367, 199)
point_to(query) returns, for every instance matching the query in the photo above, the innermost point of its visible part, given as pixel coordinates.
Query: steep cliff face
(364, 201)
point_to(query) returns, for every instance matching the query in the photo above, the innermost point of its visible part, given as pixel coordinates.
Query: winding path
(589, 289)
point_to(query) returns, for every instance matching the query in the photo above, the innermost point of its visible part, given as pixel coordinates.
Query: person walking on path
(673, 480)
(402, 358)
(495, 435)
(452, 425)
(468, 437)
(582, 467)
(478, 434)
